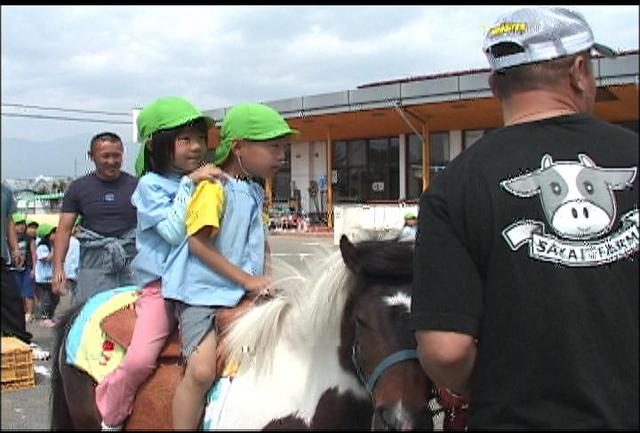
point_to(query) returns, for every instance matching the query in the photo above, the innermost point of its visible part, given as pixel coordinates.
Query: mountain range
(66, 156)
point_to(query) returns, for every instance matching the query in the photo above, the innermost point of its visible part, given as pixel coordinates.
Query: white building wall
(455, 143)
(309, 162)
(301, 171)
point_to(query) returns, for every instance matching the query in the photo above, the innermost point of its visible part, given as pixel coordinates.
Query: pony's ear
(349, 254)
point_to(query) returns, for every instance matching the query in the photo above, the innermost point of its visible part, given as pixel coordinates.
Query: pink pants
(115, 394)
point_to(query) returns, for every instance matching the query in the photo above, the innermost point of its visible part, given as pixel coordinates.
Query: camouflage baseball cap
(538, 35)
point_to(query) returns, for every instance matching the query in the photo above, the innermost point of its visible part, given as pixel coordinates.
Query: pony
(331, 352)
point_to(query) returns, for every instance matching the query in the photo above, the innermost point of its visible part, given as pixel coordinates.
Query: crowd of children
(32, 271)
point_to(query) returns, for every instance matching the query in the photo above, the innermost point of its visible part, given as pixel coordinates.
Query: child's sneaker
(106, 427)
(38, 353)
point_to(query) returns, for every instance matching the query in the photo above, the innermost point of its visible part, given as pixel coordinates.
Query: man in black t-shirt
(526, 264)
(107, 234)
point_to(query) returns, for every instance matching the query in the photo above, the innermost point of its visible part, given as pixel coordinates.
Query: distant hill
(65, 156)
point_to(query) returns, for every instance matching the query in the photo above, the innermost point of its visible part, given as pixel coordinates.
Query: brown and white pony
(332, 352)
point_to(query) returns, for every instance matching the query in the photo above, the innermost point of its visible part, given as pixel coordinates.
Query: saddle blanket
(217, 395)
(88, 347)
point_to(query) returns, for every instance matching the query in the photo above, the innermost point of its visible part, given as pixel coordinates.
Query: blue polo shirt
(234, 211)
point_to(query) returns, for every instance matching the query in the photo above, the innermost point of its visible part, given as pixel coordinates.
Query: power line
(77, 119)
(71, 110)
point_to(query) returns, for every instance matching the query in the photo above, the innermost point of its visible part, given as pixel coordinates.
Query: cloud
(117, 57)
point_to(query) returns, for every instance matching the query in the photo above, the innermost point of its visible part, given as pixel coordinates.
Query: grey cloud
(219, 56)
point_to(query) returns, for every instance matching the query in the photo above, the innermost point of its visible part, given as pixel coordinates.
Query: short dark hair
(163, 149)
(104, 136)
(531, 76)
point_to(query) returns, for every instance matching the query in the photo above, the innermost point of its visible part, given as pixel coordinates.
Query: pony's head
(336, 338)
(377, 342)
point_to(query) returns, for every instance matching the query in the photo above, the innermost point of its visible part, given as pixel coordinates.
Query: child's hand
(257, 284)
(207, 172)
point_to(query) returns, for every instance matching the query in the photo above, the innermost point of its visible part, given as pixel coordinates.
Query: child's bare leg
(188, 400)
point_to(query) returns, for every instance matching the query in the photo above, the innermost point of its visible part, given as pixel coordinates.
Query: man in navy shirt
(107, 239)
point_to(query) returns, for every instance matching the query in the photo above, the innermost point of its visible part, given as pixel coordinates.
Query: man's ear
(89, 155)
(493, 86)
(579, 73)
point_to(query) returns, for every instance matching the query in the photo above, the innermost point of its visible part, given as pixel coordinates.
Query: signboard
(377, 186)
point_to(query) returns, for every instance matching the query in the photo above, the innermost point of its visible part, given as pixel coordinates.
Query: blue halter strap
(385, 364)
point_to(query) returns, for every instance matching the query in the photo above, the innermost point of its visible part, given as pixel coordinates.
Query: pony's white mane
(307, 304)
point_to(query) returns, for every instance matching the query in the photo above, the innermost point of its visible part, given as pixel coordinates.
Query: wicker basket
(17, 365)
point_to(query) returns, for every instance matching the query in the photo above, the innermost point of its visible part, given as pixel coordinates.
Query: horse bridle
(384, 365)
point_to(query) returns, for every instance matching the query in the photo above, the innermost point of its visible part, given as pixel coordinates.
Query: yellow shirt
(205, 208)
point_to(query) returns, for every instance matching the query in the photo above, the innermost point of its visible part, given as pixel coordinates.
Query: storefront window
(339, 154)
(471, 136)
(367, 172)
(440, 155)
(282, 179)
(357, 152)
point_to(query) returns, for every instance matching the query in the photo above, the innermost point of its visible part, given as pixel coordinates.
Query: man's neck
(105, 178)
(536, 105)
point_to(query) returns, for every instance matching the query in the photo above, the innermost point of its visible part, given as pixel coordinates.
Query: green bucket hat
(18, 218)
(409, 216)
(139, 164)
(250, 122)
(44, 230)
(164, 113)
(32, 223)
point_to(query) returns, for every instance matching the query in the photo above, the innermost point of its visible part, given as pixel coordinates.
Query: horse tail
(60, 414)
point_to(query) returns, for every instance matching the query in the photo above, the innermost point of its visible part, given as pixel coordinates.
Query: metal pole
(426, 156)
(329, 179)
(268, 190)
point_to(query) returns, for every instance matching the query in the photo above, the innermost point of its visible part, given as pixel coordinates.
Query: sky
(115, 58)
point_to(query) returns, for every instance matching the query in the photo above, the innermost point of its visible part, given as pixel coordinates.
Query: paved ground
(29, 409)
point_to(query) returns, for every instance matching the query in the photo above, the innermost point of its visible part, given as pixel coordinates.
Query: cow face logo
(577, 197)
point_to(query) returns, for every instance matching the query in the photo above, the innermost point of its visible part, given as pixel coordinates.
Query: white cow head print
(577, 197)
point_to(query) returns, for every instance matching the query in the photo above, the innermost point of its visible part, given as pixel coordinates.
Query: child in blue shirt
(174, 135)
(47, 299)
(224, 255)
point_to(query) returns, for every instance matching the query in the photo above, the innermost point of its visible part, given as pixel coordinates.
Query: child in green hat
(24, 275)
(47, 299)
(174, 134)
(410, 229)
(224, 257)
